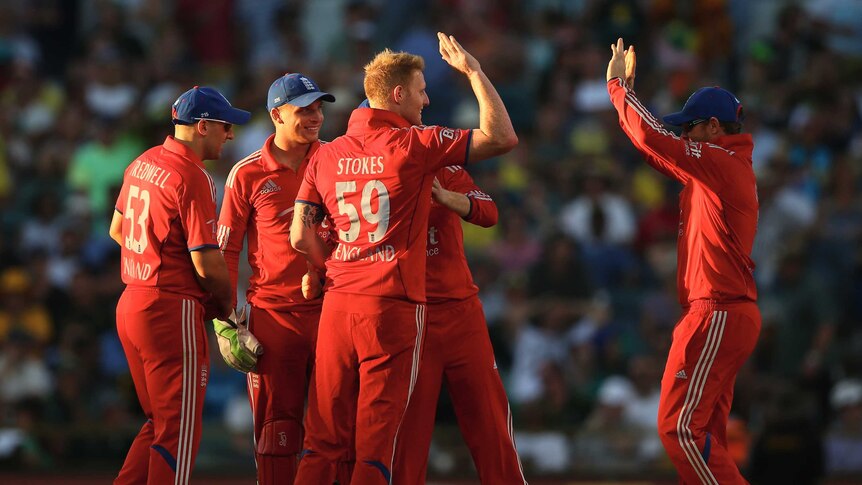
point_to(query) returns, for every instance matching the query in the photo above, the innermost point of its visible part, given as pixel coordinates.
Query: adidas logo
(681, 375)
(269, 186)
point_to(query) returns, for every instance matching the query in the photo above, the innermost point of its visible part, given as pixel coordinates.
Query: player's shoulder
(244, 168)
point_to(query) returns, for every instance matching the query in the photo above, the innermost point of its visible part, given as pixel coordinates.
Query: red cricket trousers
(366, 364)
(458, 349)
(277, 390)
(164, 339)
(710, 344)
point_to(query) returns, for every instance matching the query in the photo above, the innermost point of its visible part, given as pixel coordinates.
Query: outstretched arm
(495, 134)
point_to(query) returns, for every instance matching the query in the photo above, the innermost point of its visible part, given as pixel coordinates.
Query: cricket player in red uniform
(457, 346)
(718, 221)
(165, 223)
(375, 182)
(259, 195)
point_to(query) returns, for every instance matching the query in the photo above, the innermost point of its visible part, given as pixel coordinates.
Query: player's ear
(201, 127)
(275, 115)
(398, 94)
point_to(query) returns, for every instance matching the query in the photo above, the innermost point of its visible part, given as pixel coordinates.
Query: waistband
(719, 305)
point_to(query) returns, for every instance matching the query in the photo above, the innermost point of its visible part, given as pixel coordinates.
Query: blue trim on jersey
(305, 452)
(707, 447)
(167, 456)
(204, 246)
(315, 204)
(467, 154)
(381, 467)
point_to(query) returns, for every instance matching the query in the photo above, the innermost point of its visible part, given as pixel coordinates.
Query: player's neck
(194, 143)
(289, 154)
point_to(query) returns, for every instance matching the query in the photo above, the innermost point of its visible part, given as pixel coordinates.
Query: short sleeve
(308, 193)
(197, 210)
(442, 146)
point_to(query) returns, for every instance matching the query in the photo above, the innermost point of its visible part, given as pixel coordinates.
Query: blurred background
(577, 279)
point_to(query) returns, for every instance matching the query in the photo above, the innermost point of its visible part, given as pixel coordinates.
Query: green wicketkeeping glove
(238, 347)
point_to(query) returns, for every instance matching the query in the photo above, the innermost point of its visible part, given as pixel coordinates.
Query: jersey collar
(270, 164)
(368, 119)
(742, 144)
(173, 146)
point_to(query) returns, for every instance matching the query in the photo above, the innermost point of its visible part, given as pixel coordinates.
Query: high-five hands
(623, 63)
(456, 56)
(238, 347)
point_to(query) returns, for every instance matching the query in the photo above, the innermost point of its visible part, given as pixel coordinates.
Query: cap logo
(205, 114)
(307, 83)
(277, 99)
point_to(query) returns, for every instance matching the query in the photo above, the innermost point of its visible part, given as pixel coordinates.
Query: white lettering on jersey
(360, 166)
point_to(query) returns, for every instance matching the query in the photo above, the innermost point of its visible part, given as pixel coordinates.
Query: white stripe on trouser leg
(193, 386)
(414, 374)
(181, 444)
(511, 429)
(694, 394)
(186, 431)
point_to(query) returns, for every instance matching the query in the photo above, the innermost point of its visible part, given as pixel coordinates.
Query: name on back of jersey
(374, 254)
(360, 166)
(148, 172)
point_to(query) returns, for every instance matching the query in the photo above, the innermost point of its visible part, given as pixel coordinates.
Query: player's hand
(456, 56)
(617, 64)
(437, 191)
(238, 347)
(311, 286)
(631, 65)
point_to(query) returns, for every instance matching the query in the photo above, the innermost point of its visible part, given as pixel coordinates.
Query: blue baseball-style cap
(204, 103)
(364, 104)
(295, 89)
(707, 103)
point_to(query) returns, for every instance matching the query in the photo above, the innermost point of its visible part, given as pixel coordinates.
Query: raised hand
(456, 56)
(617, 67)
(631, 65)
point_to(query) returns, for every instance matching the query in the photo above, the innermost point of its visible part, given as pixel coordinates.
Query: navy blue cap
(295, 89)
(707, 103)
(203, 103)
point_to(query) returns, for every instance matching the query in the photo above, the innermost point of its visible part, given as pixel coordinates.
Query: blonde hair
(387, 70)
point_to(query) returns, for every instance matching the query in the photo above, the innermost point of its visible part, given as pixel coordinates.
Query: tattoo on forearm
(311, 215)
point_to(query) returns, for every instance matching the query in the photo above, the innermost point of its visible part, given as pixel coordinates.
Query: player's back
(375, 182)
(165, 198)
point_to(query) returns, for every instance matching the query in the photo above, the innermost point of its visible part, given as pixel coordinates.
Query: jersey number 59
(380, 217)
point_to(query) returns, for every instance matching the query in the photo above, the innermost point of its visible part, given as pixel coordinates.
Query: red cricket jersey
(258, 201)
(375, 182)
(169, 209)
(718, 205)
(448, 275)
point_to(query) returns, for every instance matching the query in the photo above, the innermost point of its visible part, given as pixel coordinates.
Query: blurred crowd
(578, 277)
